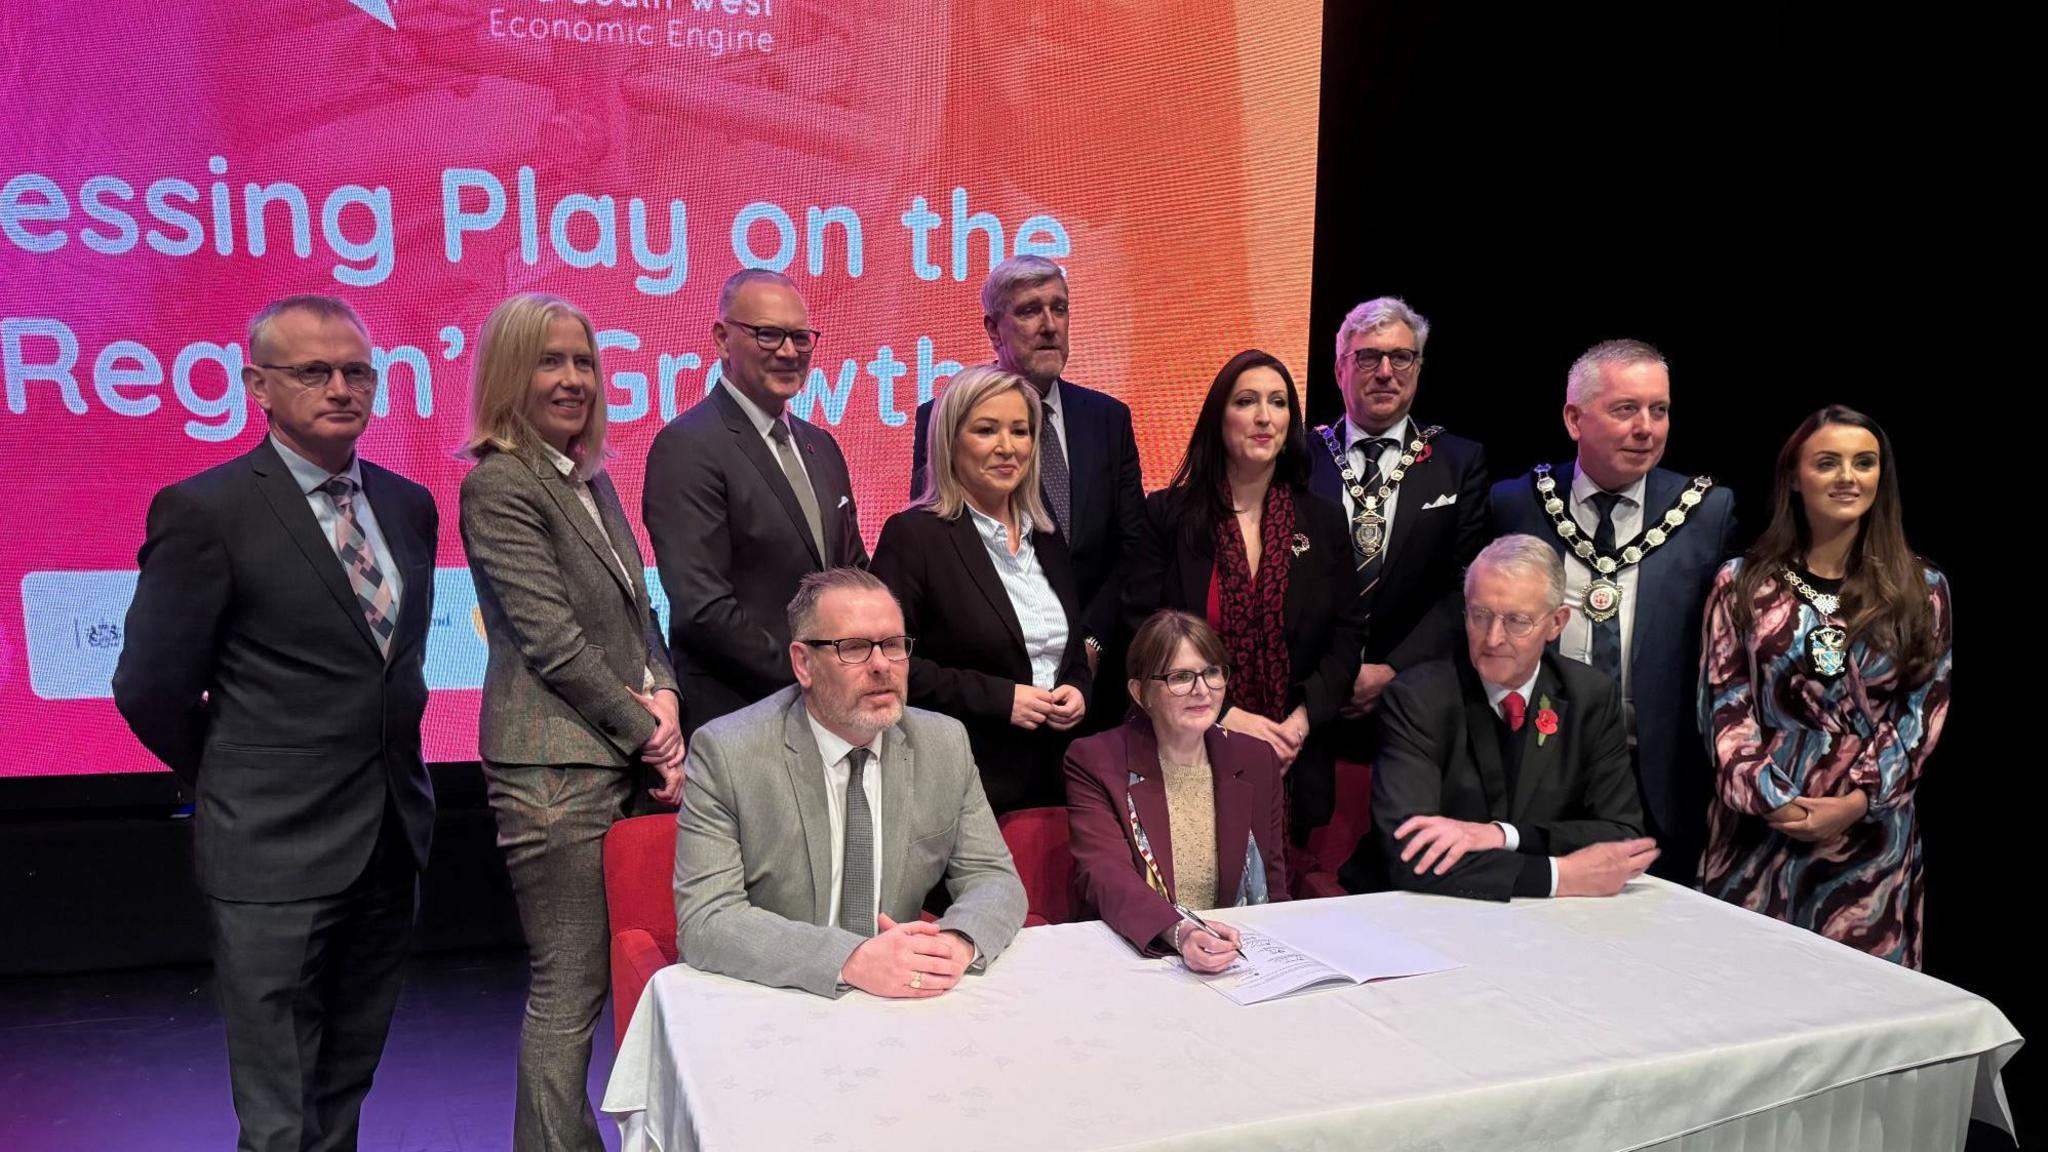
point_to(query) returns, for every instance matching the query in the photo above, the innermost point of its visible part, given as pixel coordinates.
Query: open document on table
(1324, 951)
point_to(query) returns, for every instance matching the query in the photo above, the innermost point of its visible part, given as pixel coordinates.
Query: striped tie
(372, 592)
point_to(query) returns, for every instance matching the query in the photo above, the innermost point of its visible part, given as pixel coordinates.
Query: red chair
(639, 871)
(1038, 845)
(1332, 844)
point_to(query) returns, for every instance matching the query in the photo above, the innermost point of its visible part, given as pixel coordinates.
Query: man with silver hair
(1088, 455)
(1640, 545)
(1504, 771)
(1414, 494)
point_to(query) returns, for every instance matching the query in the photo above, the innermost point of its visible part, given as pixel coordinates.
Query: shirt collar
(1495, 693)
(994, 534)
(832, 749)
(561, 463)
(1583, 488)
(1354, 435)
(310, 475)
(761, 421)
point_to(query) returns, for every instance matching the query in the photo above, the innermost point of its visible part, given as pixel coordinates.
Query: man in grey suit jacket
(812, 876)
(743, 499)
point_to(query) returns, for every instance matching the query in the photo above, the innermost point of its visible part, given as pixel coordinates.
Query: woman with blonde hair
(578, 692)
(987, 588)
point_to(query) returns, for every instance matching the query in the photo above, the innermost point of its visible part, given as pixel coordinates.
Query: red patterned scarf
(1253, 609)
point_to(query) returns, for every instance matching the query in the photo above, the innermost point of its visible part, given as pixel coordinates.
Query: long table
(1660, 1018)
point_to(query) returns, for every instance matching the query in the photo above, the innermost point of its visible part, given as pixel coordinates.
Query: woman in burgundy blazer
(1171, 769)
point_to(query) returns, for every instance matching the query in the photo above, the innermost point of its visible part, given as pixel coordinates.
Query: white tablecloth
(1657, 1019)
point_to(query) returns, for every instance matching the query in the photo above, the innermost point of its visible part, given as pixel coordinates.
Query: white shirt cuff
(1508, 830)
(1553, 875)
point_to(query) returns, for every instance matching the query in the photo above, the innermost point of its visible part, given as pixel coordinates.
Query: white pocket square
(1443, 501)
(845, 500)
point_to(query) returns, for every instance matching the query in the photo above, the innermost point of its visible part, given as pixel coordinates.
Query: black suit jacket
(1443, 756)
(1414, 610)
(1673, 772)
(1322, 618)
(970, 648)
(1109, 497)
(732, 543)
(249, 668)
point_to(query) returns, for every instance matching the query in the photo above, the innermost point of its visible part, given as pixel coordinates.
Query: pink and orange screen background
(425, 158)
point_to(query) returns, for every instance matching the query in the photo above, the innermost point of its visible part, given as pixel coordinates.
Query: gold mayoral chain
(1603, 596)
(1828, 645)
(1369, 522)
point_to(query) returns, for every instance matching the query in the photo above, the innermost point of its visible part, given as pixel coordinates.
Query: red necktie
(1513, 710)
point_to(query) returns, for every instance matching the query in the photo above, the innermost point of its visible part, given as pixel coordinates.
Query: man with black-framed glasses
(275, 660)
(1415, 497)
(815, 822)
(1504, 769)
(743, 499)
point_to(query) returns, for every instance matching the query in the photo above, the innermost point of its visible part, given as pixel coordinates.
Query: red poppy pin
(1546, 721)
(1428, 450)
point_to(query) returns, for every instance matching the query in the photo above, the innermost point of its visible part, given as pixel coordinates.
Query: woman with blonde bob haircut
(579, 694)
(987, 588)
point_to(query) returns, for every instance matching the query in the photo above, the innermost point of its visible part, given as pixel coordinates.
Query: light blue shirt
(310, 477)
(1038, 608)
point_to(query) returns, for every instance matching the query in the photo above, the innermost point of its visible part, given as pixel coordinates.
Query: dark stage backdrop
(1762, 193)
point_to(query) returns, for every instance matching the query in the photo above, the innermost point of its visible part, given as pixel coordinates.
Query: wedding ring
(917, 979)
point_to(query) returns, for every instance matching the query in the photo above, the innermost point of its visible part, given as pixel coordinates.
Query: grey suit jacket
(570, 632)
(754, 840)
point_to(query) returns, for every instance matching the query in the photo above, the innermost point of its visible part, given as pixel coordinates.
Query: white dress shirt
(567, 468)
(1494, 695)
(1054, 415)
(1038, 608)
(310, 477)
(1577, 640)
(765, 424)
(1354, 448)
(832, 750)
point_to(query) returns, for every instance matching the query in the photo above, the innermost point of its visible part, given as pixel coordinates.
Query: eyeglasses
(1181, 682)
(858, 649)
(359, 377)
(1515, 625)
(1368, 359)
(770, 337)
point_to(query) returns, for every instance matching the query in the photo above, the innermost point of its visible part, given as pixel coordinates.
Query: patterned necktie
(793, 471)
(1369, 480)
(1054, 478)
(372, 591)
(1514, 710)
(857, 873)
(1606, 633)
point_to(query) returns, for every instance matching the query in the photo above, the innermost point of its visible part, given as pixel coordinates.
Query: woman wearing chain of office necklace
(1824, 686)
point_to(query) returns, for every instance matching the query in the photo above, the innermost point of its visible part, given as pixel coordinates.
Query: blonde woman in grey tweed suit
(579, 692)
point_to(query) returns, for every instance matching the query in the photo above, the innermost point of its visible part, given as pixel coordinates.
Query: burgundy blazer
(1109, 875)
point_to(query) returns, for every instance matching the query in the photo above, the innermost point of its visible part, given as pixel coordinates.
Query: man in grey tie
(743, 499)
(1088, 461)
(814, 822)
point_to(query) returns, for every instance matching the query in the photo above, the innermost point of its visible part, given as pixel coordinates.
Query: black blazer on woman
(1322, 619)
(970, 648)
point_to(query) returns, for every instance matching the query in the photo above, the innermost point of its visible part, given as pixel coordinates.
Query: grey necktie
(857, 875)
(785, 454)
(1054, 477)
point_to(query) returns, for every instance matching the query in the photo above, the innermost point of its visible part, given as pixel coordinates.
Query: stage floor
(137, 1059)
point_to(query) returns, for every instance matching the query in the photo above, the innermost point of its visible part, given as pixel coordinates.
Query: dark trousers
(306, 989)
